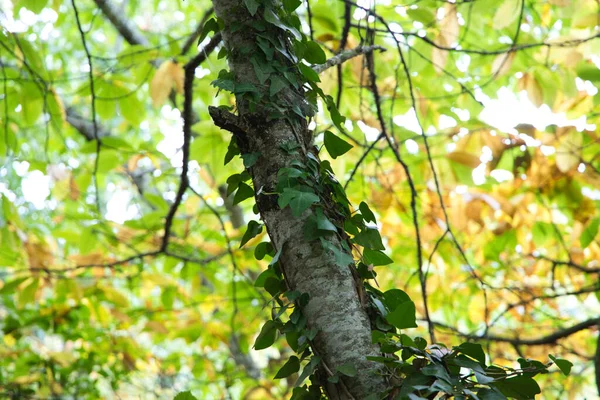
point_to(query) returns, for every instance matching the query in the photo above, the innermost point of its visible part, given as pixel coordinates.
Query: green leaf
(210, 26)
(185, 396)
(366, 212)
(369, 239)
(564, 365)
(323, 223)
(27, 294)
(291, 5)
(308, 369)
(473, 350)
(244, 192)
(277, 84)
(394, 297)
(262, 278)
(519, 387)
(589, 233)
(376, 258)
(254, 228)
(262, 249)
(336, 146)
(403, 316)
(588, 71)
(267, 336)
(309, 73)
(347, 369)
(313, 53)
(250, 159)
(252, 6)
(291, 366)
(299, 199)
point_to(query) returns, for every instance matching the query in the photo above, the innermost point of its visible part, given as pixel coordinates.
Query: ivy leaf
(291, 366)
(347, 369)
(403, 316)
(185, 396)
(369, 239)
(394, 297)
(232, 151)
(376, 258)
(323, 223)
(267, 336)
(262, 249)
(254, 228)
(250, 159)
(564, 365)
(308, 369)
(342, 258)
(252, 6)
(291, 5)
(313, 53)
(336, 146)
(299, 199)
(273, 19)
(244, 192)
(210, 26)
(277, 84)
(366, 212)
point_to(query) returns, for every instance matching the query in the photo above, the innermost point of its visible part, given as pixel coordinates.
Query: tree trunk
(334, 308)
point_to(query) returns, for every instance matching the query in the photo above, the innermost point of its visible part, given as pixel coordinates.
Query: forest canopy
(157, 227)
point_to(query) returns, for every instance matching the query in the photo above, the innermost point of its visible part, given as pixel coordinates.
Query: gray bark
(335, 307)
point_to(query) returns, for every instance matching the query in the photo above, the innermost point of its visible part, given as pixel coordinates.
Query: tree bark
(334, 307)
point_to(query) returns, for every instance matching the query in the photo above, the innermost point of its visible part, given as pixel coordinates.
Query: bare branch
(345, 56)
(126, 28)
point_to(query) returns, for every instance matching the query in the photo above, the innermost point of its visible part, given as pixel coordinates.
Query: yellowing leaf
(168, 76)
(502, 63)
(467, 159)
(569, 150)
(533, 89)
(506, 14)
(449, 26)
(439, 57)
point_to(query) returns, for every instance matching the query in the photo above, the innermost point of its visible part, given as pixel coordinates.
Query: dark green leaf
(564, 365)
(290, 367)
(589, 233)
(250, 159)
(519, 387)
(403, 316)
(369, 239)
(366, 212)
(210, 26)
(347, 369)
(244, 192)
(185, 396)
(335, 146)
(473, 350)
(267, 336)
(313, 53)
(252, 6)
(376, 258)
(254, 228)
(308, 369)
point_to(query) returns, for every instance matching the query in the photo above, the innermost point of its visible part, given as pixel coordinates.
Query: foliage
(116, 278)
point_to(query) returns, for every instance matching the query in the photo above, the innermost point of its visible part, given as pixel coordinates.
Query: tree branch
(544, 340)
(126, 28)
(345, 56)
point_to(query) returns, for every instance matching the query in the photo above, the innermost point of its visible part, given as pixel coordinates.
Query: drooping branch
(344, 56)
(84, 126)
(126, 28)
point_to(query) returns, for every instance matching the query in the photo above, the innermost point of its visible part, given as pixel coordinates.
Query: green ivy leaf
(252, 6)
(267, 336)
(369, 239)
(366, 212)
(403, 316)
(376, 258)
(262, 249)
(254, 228)
(291, 366)
(313, 53)
(299, 199)
(244, 192)
(232, 151)
(309, 73)
(308, 369)
(250, 159)
(564, 365)
(210, 26)
(394, 297)
(323, 223)
(347, 369)
(291, 5)
(336, 146)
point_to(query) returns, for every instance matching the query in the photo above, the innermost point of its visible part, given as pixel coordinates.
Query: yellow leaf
(178, 75)
(449, 27)
(461, 157)
(439, 57)
(506, 14)
(162, 84)
(533, 89)
(568, 151)
(502, 63)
